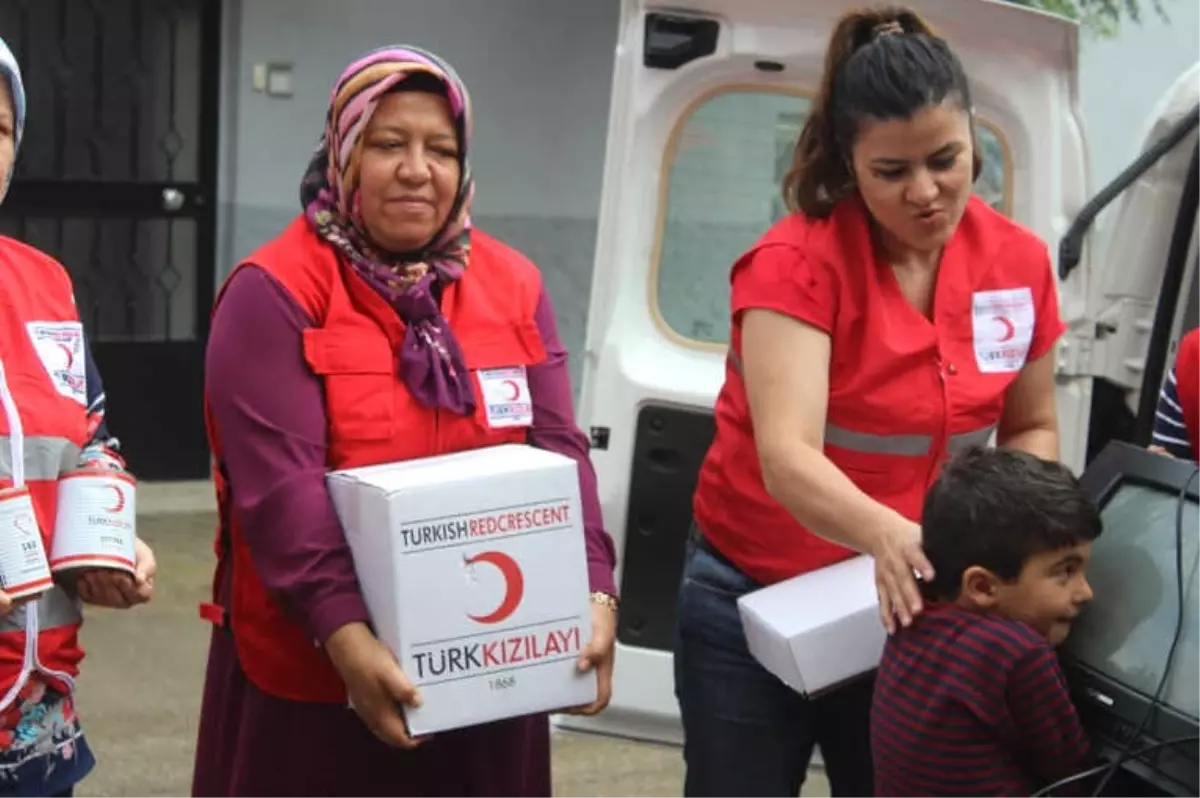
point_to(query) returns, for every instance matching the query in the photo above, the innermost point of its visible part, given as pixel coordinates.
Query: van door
(1144, 291)
(708, 98)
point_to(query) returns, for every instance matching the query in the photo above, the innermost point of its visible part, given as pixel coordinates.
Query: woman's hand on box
(375, 683)
(105, 587)
(598, 656)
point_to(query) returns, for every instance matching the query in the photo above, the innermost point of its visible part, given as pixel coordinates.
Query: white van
(708, 97)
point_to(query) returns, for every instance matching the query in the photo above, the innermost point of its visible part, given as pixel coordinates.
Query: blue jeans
(746, 732)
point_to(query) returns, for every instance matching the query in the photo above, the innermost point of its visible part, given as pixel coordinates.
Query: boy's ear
(980, 587)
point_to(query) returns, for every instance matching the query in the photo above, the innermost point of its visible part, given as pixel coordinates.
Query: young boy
(970, 699)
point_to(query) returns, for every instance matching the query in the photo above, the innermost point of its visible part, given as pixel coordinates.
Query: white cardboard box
(474, 569)
(817, 630)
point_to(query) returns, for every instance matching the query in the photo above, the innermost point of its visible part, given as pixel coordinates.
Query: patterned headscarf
(430, 359)
(11, 72)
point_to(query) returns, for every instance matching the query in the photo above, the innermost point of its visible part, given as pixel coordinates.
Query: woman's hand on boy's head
(899, 559)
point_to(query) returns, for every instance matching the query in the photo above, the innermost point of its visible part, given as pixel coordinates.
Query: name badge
(1002, 324)
(506, 397)
(59, 345)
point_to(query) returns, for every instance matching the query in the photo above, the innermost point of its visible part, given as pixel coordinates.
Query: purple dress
(271, 412)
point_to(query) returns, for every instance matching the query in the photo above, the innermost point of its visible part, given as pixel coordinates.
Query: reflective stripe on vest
(869, 443)
(901, 445)
(904, 445)
(963, 440)
(46, 457)
(55, 608)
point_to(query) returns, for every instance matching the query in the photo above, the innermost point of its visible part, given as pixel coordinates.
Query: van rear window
(724, 163)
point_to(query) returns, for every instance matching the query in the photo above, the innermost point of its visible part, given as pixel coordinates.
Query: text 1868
(502, 682)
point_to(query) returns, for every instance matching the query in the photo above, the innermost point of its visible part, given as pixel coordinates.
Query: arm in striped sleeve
(1054, 742)
(1170, 431)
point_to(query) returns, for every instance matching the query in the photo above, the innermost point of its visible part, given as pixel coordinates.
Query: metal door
(116, 178)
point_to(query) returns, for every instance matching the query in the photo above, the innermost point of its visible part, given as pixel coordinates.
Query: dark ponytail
(882, 63)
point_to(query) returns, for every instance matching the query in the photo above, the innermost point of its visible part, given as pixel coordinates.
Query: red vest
(904, 392)
(373, 418)
(41, 340)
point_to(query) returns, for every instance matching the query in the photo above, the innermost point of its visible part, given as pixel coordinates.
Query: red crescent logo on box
(514, 585)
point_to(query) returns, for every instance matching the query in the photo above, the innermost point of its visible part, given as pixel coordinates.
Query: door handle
(664, 460)
(172, 200)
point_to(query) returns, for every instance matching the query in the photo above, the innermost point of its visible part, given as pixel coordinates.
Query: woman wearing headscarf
(51, 409)
(364, 334)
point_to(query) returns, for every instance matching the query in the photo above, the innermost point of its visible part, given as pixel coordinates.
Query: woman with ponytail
(889, 321)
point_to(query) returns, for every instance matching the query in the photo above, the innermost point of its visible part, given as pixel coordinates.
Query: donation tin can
(24, 570)
(96, 525)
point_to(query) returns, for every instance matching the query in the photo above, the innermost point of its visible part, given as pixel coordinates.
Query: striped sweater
(1170, 427)
(971, 704)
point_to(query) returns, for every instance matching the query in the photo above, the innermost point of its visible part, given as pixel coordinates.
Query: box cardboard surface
(819, 629)
(474, 569)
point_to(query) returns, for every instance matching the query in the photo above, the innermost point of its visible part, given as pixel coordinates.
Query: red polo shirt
(905, 392)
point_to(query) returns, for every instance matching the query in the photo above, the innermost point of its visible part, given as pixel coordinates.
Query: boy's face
(1048, 595)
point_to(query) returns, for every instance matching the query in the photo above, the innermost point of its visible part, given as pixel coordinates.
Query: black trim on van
(673, 40)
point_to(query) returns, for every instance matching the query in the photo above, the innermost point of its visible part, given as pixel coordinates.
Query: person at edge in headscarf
(369, 331)
(53, 407)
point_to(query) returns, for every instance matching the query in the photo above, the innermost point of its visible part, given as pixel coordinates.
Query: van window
(724, 165)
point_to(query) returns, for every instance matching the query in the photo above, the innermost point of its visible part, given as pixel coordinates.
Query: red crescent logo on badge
(514, 585)
(70, 353)
(516, 390)
(1009, 329)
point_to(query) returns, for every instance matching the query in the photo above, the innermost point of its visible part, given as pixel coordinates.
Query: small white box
(474, 569)
(817, 630)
